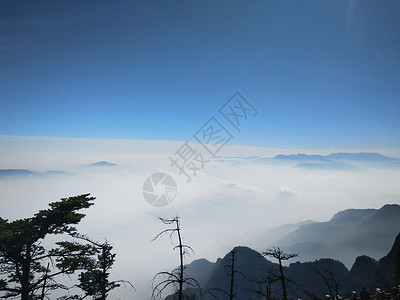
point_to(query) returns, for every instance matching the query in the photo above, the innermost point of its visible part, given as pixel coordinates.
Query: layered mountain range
(344, 161)
(256, 276)
(20, 173)
(349, 161)
(350, 231)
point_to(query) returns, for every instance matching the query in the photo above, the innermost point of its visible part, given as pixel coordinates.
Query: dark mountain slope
(388, 272)
(354, 232)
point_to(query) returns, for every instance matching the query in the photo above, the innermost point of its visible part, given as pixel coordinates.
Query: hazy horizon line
(250, 146)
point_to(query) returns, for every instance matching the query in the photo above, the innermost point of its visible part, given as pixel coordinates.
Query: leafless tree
(232, 271)
(278, 254)
(266, 281)
(177, 277)
(330, 281)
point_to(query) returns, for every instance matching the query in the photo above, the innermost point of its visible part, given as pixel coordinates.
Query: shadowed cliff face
(362, 273)
(388, 271)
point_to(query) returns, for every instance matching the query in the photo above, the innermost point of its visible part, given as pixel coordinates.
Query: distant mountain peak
(300, 156)
(22, 173)
(352, 214)
(390, 207)
(16, 172)
(340, 161)
(358, 156)
(102, 163)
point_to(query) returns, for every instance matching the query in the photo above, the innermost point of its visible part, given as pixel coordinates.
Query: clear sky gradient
(320, 73)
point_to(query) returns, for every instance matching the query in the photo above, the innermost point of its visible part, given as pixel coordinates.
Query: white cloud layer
(230, 202)
(285, 191)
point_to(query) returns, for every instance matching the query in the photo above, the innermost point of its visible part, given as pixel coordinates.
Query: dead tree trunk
(176, 277)
(233, 252)
(277, 253)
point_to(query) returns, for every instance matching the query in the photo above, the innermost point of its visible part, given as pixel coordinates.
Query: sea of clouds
(234, 199)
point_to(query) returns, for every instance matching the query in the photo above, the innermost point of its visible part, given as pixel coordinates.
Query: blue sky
(320, 73)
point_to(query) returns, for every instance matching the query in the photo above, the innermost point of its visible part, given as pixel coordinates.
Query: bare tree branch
(176, 277)
(278, 254)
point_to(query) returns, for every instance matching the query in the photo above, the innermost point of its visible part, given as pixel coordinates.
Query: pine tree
(31, 269)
